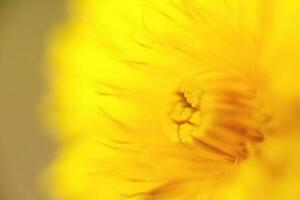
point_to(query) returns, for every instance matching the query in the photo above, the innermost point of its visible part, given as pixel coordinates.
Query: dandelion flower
(176, 100)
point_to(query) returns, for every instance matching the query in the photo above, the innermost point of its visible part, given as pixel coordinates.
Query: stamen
(227, 118)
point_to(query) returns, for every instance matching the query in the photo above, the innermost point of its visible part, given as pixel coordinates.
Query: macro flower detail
(217, 111)
(175, 100)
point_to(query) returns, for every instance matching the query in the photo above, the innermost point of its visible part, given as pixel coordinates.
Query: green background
(25, 146)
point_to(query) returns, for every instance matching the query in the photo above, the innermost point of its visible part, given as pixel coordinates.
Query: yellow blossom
(176, 100)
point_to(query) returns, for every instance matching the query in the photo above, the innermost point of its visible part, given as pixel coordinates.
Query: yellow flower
(176, 100)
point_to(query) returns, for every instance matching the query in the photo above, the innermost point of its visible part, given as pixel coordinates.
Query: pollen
(218, 111)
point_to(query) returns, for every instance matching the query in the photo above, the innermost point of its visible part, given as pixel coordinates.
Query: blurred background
(25, 146)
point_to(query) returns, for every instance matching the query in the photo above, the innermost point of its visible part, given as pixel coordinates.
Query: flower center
(217, 111)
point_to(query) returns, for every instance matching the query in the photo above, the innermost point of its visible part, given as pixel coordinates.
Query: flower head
(177, 99)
